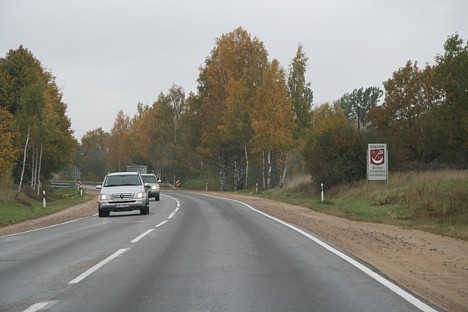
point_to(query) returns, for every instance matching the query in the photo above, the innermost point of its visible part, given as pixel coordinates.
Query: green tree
(449, 124)
(334, 153)
(92, 155)
(300, 93)
(357, 104)
(28, 117)
(18, 70)
(41, 128)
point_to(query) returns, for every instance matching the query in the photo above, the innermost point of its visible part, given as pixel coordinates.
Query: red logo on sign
(377, 157)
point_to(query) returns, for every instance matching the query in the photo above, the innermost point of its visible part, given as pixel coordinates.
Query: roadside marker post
(322, 195)
(44, 204)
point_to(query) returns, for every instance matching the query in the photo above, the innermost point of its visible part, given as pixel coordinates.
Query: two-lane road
(191, 253)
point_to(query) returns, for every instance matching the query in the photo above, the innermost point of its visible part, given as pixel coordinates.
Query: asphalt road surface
(193, 252)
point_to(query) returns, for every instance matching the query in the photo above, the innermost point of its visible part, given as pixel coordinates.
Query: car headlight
(104, 196)
(139, 195)
(154, 187)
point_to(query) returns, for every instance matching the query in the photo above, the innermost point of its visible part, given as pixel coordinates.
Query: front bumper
(127, 205)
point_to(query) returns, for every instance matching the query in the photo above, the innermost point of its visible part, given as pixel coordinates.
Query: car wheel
(156, 198)
(103, 213)
(145, 210)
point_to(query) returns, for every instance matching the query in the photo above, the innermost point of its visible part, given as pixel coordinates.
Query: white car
(123, 191)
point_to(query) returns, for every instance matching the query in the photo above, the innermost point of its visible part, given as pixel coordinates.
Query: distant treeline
(252, 122)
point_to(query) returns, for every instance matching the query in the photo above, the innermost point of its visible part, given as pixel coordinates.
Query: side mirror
(159, 181)
(98, 187)
(147, 185)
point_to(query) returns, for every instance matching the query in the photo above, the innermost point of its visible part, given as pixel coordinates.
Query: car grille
(118, 196)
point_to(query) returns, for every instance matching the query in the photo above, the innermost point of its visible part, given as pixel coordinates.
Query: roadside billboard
(377, 162)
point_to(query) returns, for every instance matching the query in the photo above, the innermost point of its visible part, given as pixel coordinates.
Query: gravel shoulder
(431, 266)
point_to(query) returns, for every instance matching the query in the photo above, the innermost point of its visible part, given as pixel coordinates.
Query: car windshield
(120, 180)
(149, 179)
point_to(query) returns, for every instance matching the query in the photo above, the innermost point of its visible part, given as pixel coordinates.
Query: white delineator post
(322, 195)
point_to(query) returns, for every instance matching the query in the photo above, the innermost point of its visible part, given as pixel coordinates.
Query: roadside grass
(435, 201)
(25, 207)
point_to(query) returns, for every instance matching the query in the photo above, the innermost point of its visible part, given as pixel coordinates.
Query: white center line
(85, 274)
(135, 240)
(160, 224)
(39, 306)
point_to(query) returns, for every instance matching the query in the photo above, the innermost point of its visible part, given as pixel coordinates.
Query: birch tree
(227, 87)
(32, 104)
(273, 122)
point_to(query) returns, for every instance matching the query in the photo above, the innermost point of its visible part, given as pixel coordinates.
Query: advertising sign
(377, 162)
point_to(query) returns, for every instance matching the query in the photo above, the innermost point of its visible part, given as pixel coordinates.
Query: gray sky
(108, 55)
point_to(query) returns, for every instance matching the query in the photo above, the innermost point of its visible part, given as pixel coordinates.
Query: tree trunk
(246, 166)
(24, 161)
(270, 168)
(39, 171)
(263, 170)
(33, 170)
(223, 171)
(284, 168)
(239, 170)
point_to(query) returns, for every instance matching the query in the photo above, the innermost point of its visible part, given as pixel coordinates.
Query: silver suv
(123, 191)
(154, 183)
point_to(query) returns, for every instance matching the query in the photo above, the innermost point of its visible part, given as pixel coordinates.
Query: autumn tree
(8, 152)
(227, 90)
(357, 104)
(273, 122)
(118, 148)
(409, 96)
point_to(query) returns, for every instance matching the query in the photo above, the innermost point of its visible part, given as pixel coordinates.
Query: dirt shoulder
(431, 266)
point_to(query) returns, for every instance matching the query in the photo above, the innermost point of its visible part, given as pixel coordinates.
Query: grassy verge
(435, 202)
(27, 208)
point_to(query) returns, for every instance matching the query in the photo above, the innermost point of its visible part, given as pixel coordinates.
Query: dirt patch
(431, 266)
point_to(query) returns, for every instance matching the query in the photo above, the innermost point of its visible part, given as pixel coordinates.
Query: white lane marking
(177, 207)
(135, 240)
(85, 274)
(39, 306)
(393, 287)
(160, 224)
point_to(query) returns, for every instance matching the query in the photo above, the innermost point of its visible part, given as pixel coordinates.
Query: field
(435, 201)
(25, 207)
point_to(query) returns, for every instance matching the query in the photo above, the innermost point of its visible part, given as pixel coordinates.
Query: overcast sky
(108, 55)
